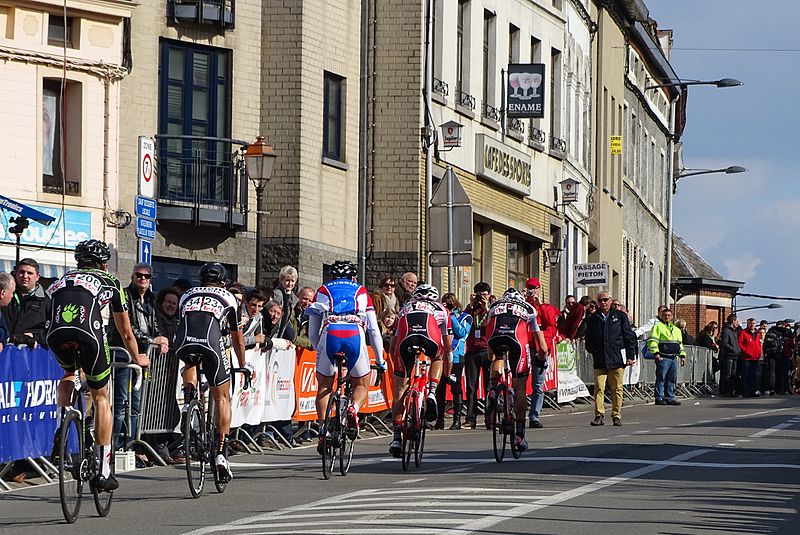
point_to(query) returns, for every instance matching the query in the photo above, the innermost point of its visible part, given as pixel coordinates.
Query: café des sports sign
(503, 165)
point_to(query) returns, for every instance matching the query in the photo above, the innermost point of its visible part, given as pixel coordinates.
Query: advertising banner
(28, 385)
(247, 406)
(525, 90)
(570, 386)
(305, 385)
(279, 399)
(64, 233)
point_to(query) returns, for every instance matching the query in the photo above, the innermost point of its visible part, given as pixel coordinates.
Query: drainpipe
(429, 128)
(363, 163)
(106, 135)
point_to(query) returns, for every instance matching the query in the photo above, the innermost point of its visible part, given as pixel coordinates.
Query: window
(519, 262)
(462, 48)
(555, 93)
(62, 117)
(436, 35)
(333, 118)
(467, 277)
(488, 58)
(513, 44)
(195, 100)
(61, 31)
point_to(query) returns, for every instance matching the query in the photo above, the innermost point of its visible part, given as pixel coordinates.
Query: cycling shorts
(417, 328)
(507, 332)
(76, 348)
(347, 338)
(200, 341)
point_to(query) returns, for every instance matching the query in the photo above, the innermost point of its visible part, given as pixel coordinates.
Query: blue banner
(65, 233)
(28, 383)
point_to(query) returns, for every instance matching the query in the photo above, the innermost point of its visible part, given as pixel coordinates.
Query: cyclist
(209, 324)
(512, 324)
(339, 318)
(423, 322)
(76, 335)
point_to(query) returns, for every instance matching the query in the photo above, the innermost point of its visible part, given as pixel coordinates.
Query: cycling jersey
(509, 326)
(76, 333)
(339, 319)
(207, 316)
(420, 323)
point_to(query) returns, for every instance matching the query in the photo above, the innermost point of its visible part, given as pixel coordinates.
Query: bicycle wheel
(409, 426)
(211, 447)
(499, 437)
(330, 433)
(419, 435)
(102, 500)
(72, 466)
(511, 428)
(345, 447)
(194, 447)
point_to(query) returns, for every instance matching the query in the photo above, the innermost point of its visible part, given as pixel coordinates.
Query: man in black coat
(29, 309)
(608, 334)
(729, 354)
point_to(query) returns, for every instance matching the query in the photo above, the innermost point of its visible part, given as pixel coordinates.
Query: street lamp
(259, 158)
(730, 170)
(553, 255)
(770, 306)
(722, 82)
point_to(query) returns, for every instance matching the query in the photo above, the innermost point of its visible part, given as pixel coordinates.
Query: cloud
(742, 268)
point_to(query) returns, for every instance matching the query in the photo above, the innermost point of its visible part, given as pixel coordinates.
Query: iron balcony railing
(537, 135)
(465, 100)
(558, 144)
(204, 175)
(441, 87)
(516, 125)
(220, 13)
(490, 112)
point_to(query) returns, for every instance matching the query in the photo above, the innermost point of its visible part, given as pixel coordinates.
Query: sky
(747, 225)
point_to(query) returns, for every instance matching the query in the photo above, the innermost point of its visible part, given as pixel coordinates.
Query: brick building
(699, 292)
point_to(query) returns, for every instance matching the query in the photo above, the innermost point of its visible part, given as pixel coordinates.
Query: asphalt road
(708, 466)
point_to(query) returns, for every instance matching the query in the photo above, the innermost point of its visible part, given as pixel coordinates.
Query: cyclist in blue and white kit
(339, 318)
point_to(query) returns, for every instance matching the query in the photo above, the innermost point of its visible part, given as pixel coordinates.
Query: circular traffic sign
(147, 167)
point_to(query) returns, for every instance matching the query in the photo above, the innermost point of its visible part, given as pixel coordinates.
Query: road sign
(145, 228)
(146, 207)
(593, 274)
(146, 252)
(147, 179)
(442, 259)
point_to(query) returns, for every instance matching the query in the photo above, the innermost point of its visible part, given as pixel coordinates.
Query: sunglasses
(145, 276)
(604, 299)
(389, 285)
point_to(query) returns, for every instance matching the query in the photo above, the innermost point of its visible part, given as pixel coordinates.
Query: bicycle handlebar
(247, 377)
(381, 371)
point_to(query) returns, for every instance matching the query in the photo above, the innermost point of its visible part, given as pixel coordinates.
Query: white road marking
(664, 428)
(761, 413)
(726, 445)
(409, 481)
(771, 430)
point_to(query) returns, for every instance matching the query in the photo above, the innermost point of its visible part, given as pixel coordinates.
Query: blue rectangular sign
(146, 207)
(145, 228)
(64, 233)
(146, 252)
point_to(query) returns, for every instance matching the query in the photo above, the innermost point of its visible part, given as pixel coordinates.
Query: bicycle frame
(414, 410)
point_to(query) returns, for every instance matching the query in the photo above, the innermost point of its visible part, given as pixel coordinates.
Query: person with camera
(476, 359)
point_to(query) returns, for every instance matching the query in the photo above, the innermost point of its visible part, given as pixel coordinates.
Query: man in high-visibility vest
(666, 346)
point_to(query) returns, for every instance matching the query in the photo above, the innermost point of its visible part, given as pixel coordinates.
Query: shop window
(519, 263)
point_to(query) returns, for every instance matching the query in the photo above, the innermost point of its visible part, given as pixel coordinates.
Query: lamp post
(259, 159)
(722, 82)
(770, 306)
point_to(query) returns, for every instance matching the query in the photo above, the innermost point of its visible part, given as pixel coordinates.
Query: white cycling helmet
(426, 291)
(512, 294)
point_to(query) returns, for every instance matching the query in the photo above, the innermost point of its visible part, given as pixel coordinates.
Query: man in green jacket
(666, 346)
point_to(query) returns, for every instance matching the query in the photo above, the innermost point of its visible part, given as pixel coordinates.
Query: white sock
(105, 459)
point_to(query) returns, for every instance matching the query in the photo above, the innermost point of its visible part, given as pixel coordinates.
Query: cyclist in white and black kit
(208, 315)
(76, 336)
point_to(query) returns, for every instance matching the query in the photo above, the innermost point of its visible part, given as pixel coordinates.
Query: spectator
(772, 350)
(750, 349)
(608, 334)
(284, 295)
(387, 322)
(707, 338)
(182, 285)
(666, 345)
(687, 339)
(729, 357)
(167, 324)
(272, 314)
(253, 329)
(787, 362)
(29, 310)
(300, 324)
(238, 293)
(7, 286)
(167, 312)
(475, 359)
(461, 322)
(408, 283)
(572, 316)
(142, 315)
(384, 297)
(644, 330)
(547, 317)
(591, 308)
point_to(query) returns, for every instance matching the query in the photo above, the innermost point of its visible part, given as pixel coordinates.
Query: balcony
(537, 138)
(440, 91)
(201, 181)
(216, 13)
(558, 148)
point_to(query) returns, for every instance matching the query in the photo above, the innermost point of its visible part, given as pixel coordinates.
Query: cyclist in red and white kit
(423, 322)
(512, 324)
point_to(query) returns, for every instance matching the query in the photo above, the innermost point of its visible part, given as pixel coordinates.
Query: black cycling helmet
(212, 272)
(342, 269)
(92, 252)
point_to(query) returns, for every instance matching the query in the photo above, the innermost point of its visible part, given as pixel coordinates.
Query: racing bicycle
(414, 410)
(503, 418)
